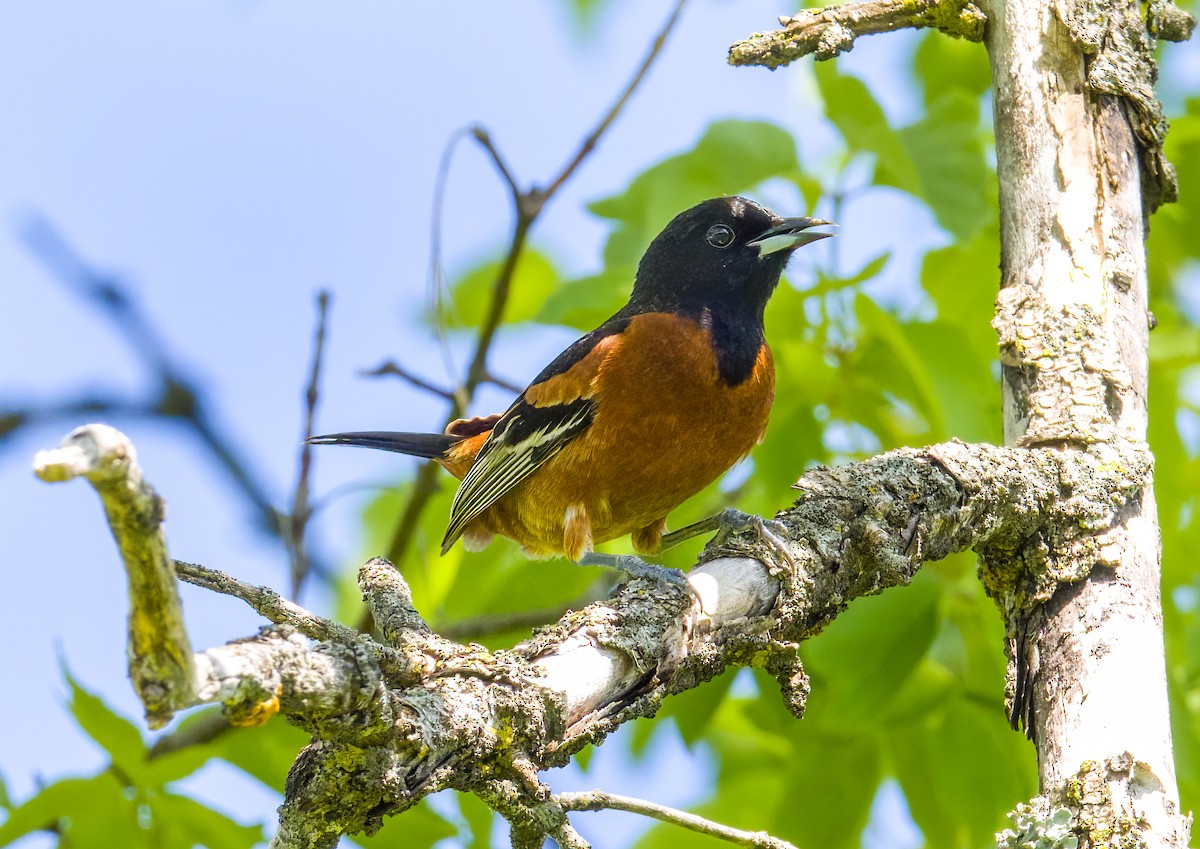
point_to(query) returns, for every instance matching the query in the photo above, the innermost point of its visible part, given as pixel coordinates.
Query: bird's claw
(636, 567)
(733, 521)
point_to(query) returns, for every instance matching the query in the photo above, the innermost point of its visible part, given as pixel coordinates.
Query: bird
(638, 415)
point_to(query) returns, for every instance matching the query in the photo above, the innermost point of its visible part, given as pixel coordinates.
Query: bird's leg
(635, 567)
(731, 521)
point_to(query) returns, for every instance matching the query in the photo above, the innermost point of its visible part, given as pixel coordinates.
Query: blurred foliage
(129, 803)
(907, 685)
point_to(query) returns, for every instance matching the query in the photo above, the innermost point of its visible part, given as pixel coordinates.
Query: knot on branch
(1062, 368)
(825, 33)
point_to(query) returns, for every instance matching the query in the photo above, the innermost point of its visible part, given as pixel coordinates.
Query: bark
(1078, 142)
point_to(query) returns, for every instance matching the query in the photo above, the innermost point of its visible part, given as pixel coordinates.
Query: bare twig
(266, 602)
(391, 368)
(826, 32)
(478, 627)
(481, 135)
(598, 800)
(527, 205)
(17, 416)
(590, 142)
(301, 508)
(178, 396)
(394, 369)
(203, 729)
(503, 383)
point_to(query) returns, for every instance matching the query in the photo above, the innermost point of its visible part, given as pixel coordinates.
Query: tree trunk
(1089, 678)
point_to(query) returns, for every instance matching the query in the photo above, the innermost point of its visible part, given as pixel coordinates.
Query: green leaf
(778, 775)
(860, 662)
(837, 790)
(967, 395)
(164, 769)
(84, 811)
(589, 301)
(953, 177)
(479, 818)
(266, 752)
(960, 769)
(962, 280)
(888, 361)
(416, 828)
(185, 823)
(732, 156)
(584, 14)
(853, 110)
(117, 735)
(534, 279)
(5, 799)
(693, 710)
(825, 284)
(944, 64)
(205, 727)
(939, 159)
(1171, 243)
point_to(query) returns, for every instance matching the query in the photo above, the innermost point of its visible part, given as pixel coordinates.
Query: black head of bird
(724, 253)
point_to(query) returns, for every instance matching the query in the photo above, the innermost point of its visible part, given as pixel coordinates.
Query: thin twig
(527, 206)
(392, 368)
(267, 603)
(503, 383)
(598, 800)
(590, 142)
(18, 416)
(478, 627)
(437, 279)
(482, 136)
(178, 395)
(301, 508)
(203, 729)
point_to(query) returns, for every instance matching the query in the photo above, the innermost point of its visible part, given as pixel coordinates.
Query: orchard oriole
(638, 415)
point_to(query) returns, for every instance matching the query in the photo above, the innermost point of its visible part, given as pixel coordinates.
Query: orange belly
(625, 473)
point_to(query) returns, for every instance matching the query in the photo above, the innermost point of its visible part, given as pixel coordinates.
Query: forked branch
(398, 718)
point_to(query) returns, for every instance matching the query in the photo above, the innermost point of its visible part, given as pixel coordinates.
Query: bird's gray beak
(788, 235)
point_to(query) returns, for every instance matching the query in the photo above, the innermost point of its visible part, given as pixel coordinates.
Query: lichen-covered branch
(160, 655)
(829, 31)
(397, 718)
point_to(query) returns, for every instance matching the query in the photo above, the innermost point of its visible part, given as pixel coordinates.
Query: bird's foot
(733, 521)
(635, 567)
(770, 531)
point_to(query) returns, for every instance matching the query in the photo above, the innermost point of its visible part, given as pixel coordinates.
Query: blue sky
(226, 159)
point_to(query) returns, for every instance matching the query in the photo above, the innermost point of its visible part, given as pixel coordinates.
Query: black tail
(431, 445)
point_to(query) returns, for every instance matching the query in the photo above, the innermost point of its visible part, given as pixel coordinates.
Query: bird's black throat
(735, 326)
(737, 341)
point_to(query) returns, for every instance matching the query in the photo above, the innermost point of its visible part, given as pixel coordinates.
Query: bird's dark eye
(720, 236)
